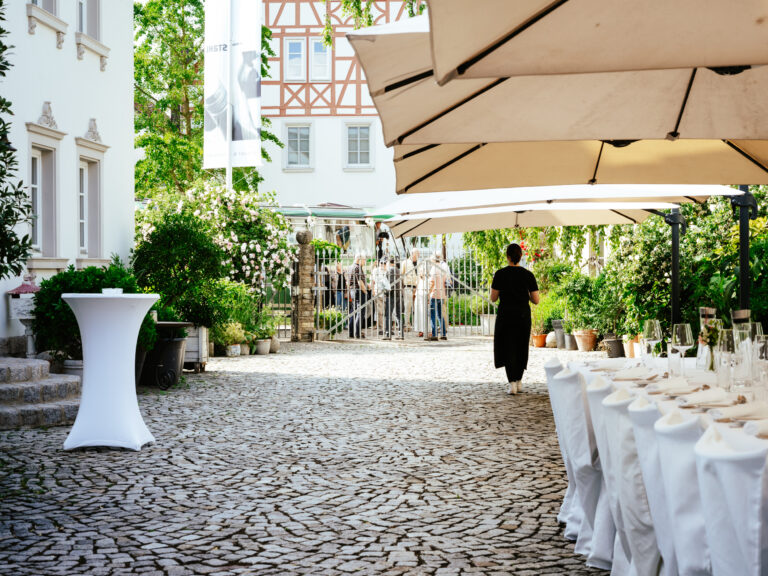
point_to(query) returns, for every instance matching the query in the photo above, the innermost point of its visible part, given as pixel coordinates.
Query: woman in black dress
(515, 287)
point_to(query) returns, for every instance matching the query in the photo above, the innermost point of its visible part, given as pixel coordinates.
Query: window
(320, 61)
(295, 63)
(35, 179)
(298, 147)
(48, 5)
(88, 18)
(82, 206)
(359, 146)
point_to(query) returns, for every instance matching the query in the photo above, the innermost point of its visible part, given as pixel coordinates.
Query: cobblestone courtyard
(361, 458)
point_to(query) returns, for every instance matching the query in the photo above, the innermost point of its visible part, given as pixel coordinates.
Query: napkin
(674, 386)
(757, 428)
(609, 365)
(598, 383)
(617, 397)
(639, 403)
(749, 411)
(711, 396)
(636, 373)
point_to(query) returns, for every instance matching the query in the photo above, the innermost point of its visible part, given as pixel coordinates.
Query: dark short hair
(514, 253)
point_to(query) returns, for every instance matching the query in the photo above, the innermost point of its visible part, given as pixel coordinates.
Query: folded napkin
(757, 428)
(609, 365)
(749, 411)
(598, 383)
(673, 386)
(639, 403)
(635, 373)
(711, 396)
(702, 377)
(622, 394)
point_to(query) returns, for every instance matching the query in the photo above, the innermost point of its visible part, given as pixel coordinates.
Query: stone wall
(302, 296)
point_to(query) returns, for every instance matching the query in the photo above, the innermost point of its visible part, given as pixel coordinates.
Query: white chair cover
(645, 558)
(581, 452)
(570, 511)
(733, 482)
(598, 389)
(676, 435)
(643, 415)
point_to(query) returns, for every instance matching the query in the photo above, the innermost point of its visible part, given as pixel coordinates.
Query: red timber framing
(346, 94)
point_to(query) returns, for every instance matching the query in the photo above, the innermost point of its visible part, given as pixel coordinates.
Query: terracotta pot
(539, 340)
(629, 347)
(586, 340)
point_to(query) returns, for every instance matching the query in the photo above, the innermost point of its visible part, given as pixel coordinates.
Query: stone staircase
(31, 396)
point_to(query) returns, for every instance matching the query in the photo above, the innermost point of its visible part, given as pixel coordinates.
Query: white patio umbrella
(645, 105)
(552, 196)
(524, 216)
(501, 38)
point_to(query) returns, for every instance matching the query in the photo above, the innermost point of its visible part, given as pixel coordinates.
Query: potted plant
(228, 336)
(586, 339)
(538, 332)
(569, 339)
(54, 324)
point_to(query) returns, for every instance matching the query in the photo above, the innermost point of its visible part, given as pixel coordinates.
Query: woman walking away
(514, 287)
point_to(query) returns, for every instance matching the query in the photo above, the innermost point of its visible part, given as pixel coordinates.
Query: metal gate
(432, 289)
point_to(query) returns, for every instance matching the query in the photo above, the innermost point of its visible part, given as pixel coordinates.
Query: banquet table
(686, 493)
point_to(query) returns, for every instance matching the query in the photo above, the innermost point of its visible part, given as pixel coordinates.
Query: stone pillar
(302, 296)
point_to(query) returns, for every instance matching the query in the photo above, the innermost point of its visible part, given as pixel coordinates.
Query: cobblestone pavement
(356, 458)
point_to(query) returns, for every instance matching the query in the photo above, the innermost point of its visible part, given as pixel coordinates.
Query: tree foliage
(362, 14)
(168, 97)
(15, 207)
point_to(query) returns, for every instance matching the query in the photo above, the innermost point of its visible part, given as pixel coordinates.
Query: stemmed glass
(652, 334)
(682, 340)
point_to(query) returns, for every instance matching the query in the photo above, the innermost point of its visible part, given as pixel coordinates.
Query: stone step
(58, 413)
(53, 388)
(23, 369)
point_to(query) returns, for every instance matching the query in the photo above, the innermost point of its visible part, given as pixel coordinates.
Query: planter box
(196, 355)
(488, 322)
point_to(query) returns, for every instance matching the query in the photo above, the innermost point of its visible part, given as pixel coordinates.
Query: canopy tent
(502, 38)
(647, 105)
(409, 204)
(524, 216)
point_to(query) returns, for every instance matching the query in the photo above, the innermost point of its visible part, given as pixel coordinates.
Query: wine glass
(682, 340)
(652, 334)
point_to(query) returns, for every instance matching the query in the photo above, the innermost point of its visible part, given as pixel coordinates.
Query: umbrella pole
(747, 210)
(675, 219)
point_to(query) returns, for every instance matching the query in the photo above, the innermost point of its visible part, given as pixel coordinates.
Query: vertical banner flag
(232, 68)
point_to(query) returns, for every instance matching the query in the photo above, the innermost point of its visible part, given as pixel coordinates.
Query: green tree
(15, 208)
(168, 98)
(361, 11)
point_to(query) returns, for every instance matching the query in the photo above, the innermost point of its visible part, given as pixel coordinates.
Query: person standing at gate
(339, 287)
(394, 297)
(358, 288)
(514, 287)
(437, 296)
(409, 272)
(380, 286)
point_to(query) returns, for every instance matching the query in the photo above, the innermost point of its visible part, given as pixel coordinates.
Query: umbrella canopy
(410, 204)
(651, 104)
(523, 216)
(446, 167)
(502, 38)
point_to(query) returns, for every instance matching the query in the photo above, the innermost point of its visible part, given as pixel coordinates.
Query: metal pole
(747, 210)
(675, 266)
(229, 97)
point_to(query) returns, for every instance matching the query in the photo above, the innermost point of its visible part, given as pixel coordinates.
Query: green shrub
(579, 293)
(551, 306)
(330, 319)
(55, 326)
(228, 334)
(325, 248)
(460, 310)
(180, 261)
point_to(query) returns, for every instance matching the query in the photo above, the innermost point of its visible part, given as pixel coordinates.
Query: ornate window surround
(37, 15)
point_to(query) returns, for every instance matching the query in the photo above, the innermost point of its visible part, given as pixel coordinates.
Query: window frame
(35, 198)
(82, 205)
(81, 16)
(302, 41)
(328, 62)
(309, 167)
(357, 167)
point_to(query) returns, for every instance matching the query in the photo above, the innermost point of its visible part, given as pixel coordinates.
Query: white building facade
(71, 90)
(320, 108)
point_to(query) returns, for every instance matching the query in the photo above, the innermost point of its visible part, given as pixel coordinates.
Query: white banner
(232, 67)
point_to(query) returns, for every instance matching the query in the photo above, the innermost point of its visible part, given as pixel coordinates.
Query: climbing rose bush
(253, 235)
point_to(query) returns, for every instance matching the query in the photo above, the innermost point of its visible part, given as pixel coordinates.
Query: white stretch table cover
(643, 415)
(636, 516)
(109, 411)
(734, 486)
(582, 453)
(598, 388)
(677, 434)
(570, 511)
